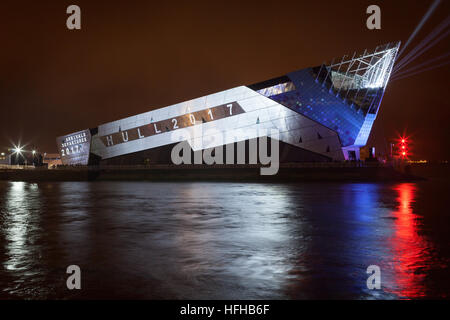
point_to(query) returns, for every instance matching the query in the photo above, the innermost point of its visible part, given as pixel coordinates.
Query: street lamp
(18, 150)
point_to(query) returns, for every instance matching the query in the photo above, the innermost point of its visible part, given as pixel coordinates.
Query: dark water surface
(225, 240)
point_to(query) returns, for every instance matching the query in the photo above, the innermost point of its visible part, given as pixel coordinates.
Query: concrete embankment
(287, 172)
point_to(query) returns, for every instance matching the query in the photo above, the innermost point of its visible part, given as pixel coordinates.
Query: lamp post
(18, 151)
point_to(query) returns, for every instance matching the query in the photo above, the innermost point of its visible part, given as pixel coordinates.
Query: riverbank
(287, 172)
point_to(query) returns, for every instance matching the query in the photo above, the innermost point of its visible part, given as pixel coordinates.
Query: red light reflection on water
(411, 252)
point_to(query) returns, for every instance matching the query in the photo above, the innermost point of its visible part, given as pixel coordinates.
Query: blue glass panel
(315, 101)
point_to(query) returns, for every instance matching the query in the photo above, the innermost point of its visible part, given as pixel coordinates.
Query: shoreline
(286, 172)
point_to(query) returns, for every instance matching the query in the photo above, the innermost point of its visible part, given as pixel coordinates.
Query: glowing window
(277, 89)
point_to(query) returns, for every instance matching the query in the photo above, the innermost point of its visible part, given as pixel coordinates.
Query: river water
(207, 240)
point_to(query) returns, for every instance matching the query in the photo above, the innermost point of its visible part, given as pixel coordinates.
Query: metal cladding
(74, 148)
(326, 110)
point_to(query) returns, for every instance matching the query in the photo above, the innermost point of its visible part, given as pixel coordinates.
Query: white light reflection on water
(184, 241)
(20, 209)
(244, 244)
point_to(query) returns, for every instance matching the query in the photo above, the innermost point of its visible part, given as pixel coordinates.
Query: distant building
(367, 153)
(23, 158)
(19, 159)
(4, 158)
(52, 160)
(323, 113)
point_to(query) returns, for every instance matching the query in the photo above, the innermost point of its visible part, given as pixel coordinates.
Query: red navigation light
(402, 147)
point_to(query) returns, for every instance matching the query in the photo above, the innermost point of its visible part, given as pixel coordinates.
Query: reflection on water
(20, 216)
(16, 223)
(220, 240)
(411, 252)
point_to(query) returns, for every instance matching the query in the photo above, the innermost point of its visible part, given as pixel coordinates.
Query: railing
(346, 164)
(16, 167)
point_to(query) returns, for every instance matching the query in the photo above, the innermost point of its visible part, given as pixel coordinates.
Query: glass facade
(343, 96)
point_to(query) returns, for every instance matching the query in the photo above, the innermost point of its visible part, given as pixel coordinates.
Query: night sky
(134, 56)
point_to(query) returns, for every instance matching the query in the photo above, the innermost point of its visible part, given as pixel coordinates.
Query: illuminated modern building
(323, 113)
